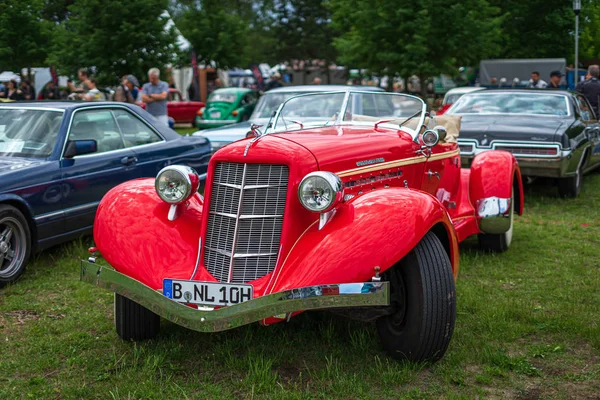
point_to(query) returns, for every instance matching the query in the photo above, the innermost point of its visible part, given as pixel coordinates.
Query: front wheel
(424, 301)
(134, 322)
(15, 244)
(570, 187)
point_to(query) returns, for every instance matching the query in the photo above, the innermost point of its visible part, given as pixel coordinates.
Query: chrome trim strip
(498, 144)
(24, 107)
(246, 255)
(197, 258)
(66, 211)
(237, 223)
(363, 294)
(222, 252)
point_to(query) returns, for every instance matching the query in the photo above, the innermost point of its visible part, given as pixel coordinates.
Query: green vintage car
(226, 106)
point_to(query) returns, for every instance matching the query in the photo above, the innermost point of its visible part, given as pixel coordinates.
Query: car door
(86, 178)
(152, 151)
(589, 120)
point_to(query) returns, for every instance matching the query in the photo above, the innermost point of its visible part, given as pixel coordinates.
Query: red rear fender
(376, 229)
(133, 234)
(495, 174)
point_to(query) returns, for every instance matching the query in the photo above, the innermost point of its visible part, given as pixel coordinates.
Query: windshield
(351, 107)
(512, 103)
(223, 97)
(28, 133)
(269, 102)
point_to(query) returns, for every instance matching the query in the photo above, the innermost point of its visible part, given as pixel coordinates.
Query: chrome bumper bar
(302, 299)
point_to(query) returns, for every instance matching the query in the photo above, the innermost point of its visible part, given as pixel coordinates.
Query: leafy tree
(23, 34)
(536, 28)
(303, 31)
(113, 38)
(421, 37)
(217, 29)
(589, 43)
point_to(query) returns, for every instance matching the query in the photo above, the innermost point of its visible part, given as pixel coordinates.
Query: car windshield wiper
(411, 117)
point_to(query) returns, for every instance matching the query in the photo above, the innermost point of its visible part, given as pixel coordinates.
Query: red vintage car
(350, 201)
(183, 112)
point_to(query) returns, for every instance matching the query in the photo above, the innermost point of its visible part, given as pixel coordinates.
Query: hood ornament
(255, 131)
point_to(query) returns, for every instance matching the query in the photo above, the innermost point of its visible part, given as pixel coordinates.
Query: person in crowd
(2, 88)
(494, 81)
(191, 90)
(316, 81)
(536, 82)
(154, 94)
(590, 88)
(93, 94)
(12, 91)
(50, 92)
(556, 80)
(274, 82)
(172, 82)
(127, 92)
(84, 78)
(27, 90)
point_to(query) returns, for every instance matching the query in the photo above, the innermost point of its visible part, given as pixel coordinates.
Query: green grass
(527, 328)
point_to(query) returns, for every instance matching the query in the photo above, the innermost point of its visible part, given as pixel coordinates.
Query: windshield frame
(339, 121)
(466, 96)
(46, 109)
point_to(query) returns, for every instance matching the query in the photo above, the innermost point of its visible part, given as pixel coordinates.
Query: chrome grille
(245, 220)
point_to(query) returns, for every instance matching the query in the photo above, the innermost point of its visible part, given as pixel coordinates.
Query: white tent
(9, 76)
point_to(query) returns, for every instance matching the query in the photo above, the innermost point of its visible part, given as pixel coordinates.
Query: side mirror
(80, 147)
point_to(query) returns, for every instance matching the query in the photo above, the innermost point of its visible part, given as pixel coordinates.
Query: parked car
(355, 208)
(552, 133)
(453, 95)
(57, 160)
(182, 111)
(225, 107)
(263, 111)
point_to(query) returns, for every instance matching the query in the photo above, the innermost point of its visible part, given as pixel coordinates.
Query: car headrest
(85, 130)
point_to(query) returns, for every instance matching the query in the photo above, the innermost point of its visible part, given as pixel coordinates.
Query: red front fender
(376, 229)
(133, 234)
(496, 173)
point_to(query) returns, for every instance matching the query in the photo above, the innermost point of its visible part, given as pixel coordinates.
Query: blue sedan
(57, 160)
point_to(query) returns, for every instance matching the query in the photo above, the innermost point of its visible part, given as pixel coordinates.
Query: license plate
(206, 293)
(215, 114)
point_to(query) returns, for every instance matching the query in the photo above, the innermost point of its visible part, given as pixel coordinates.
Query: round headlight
(176, 183)
(320, 191)
(431, 137)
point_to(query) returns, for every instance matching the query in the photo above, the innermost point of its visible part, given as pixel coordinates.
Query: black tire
(424, 297)
(498, 243)
(15, 244)
(134, 322)
(570, 187)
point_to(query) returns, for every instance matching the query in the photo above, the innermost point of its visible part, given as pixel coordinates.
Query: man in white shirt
(536, 82)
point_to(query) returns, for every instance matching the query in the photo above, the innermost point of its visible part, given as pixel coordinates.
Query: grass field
(527, 328)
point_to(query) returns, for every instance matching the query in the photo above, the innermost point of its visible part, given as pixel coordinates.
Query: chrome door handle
(128, 160)
(431, 173)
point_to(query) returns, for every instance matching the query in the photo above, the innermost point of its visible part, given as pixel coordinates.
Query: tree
(113, 38)
(217, 29)
(421, 37)
(589, 43)
(303, 31)
(23, 37)
(536, 28)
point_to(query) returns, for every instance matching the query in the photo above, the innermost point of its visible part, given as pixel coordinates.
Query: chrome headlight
(176, 183)
(320, 191)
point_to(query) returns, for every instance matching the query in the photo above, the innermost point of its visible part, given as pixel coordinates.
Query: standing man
(535, 81)
(50, 92)
(590, 88)
(555, 80)
(154, 94)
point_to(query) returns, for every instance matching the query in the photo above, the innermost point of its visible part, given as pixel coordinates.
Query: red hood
(341, 148)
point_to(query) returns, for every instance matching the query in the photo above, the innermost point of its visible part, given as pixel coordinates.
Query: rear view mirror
(80, 147)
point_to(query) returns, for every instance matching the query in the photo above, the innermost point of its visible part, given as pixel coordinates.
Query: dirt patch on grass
(18, 317)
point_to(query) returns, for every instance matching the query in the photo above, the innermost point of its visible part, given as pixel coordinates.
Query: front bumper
(214, 123)
(320, 297)
(559, 165)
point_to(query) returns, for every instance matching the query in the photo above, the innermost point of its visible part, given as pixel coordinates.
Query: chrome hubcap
(12, 246)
